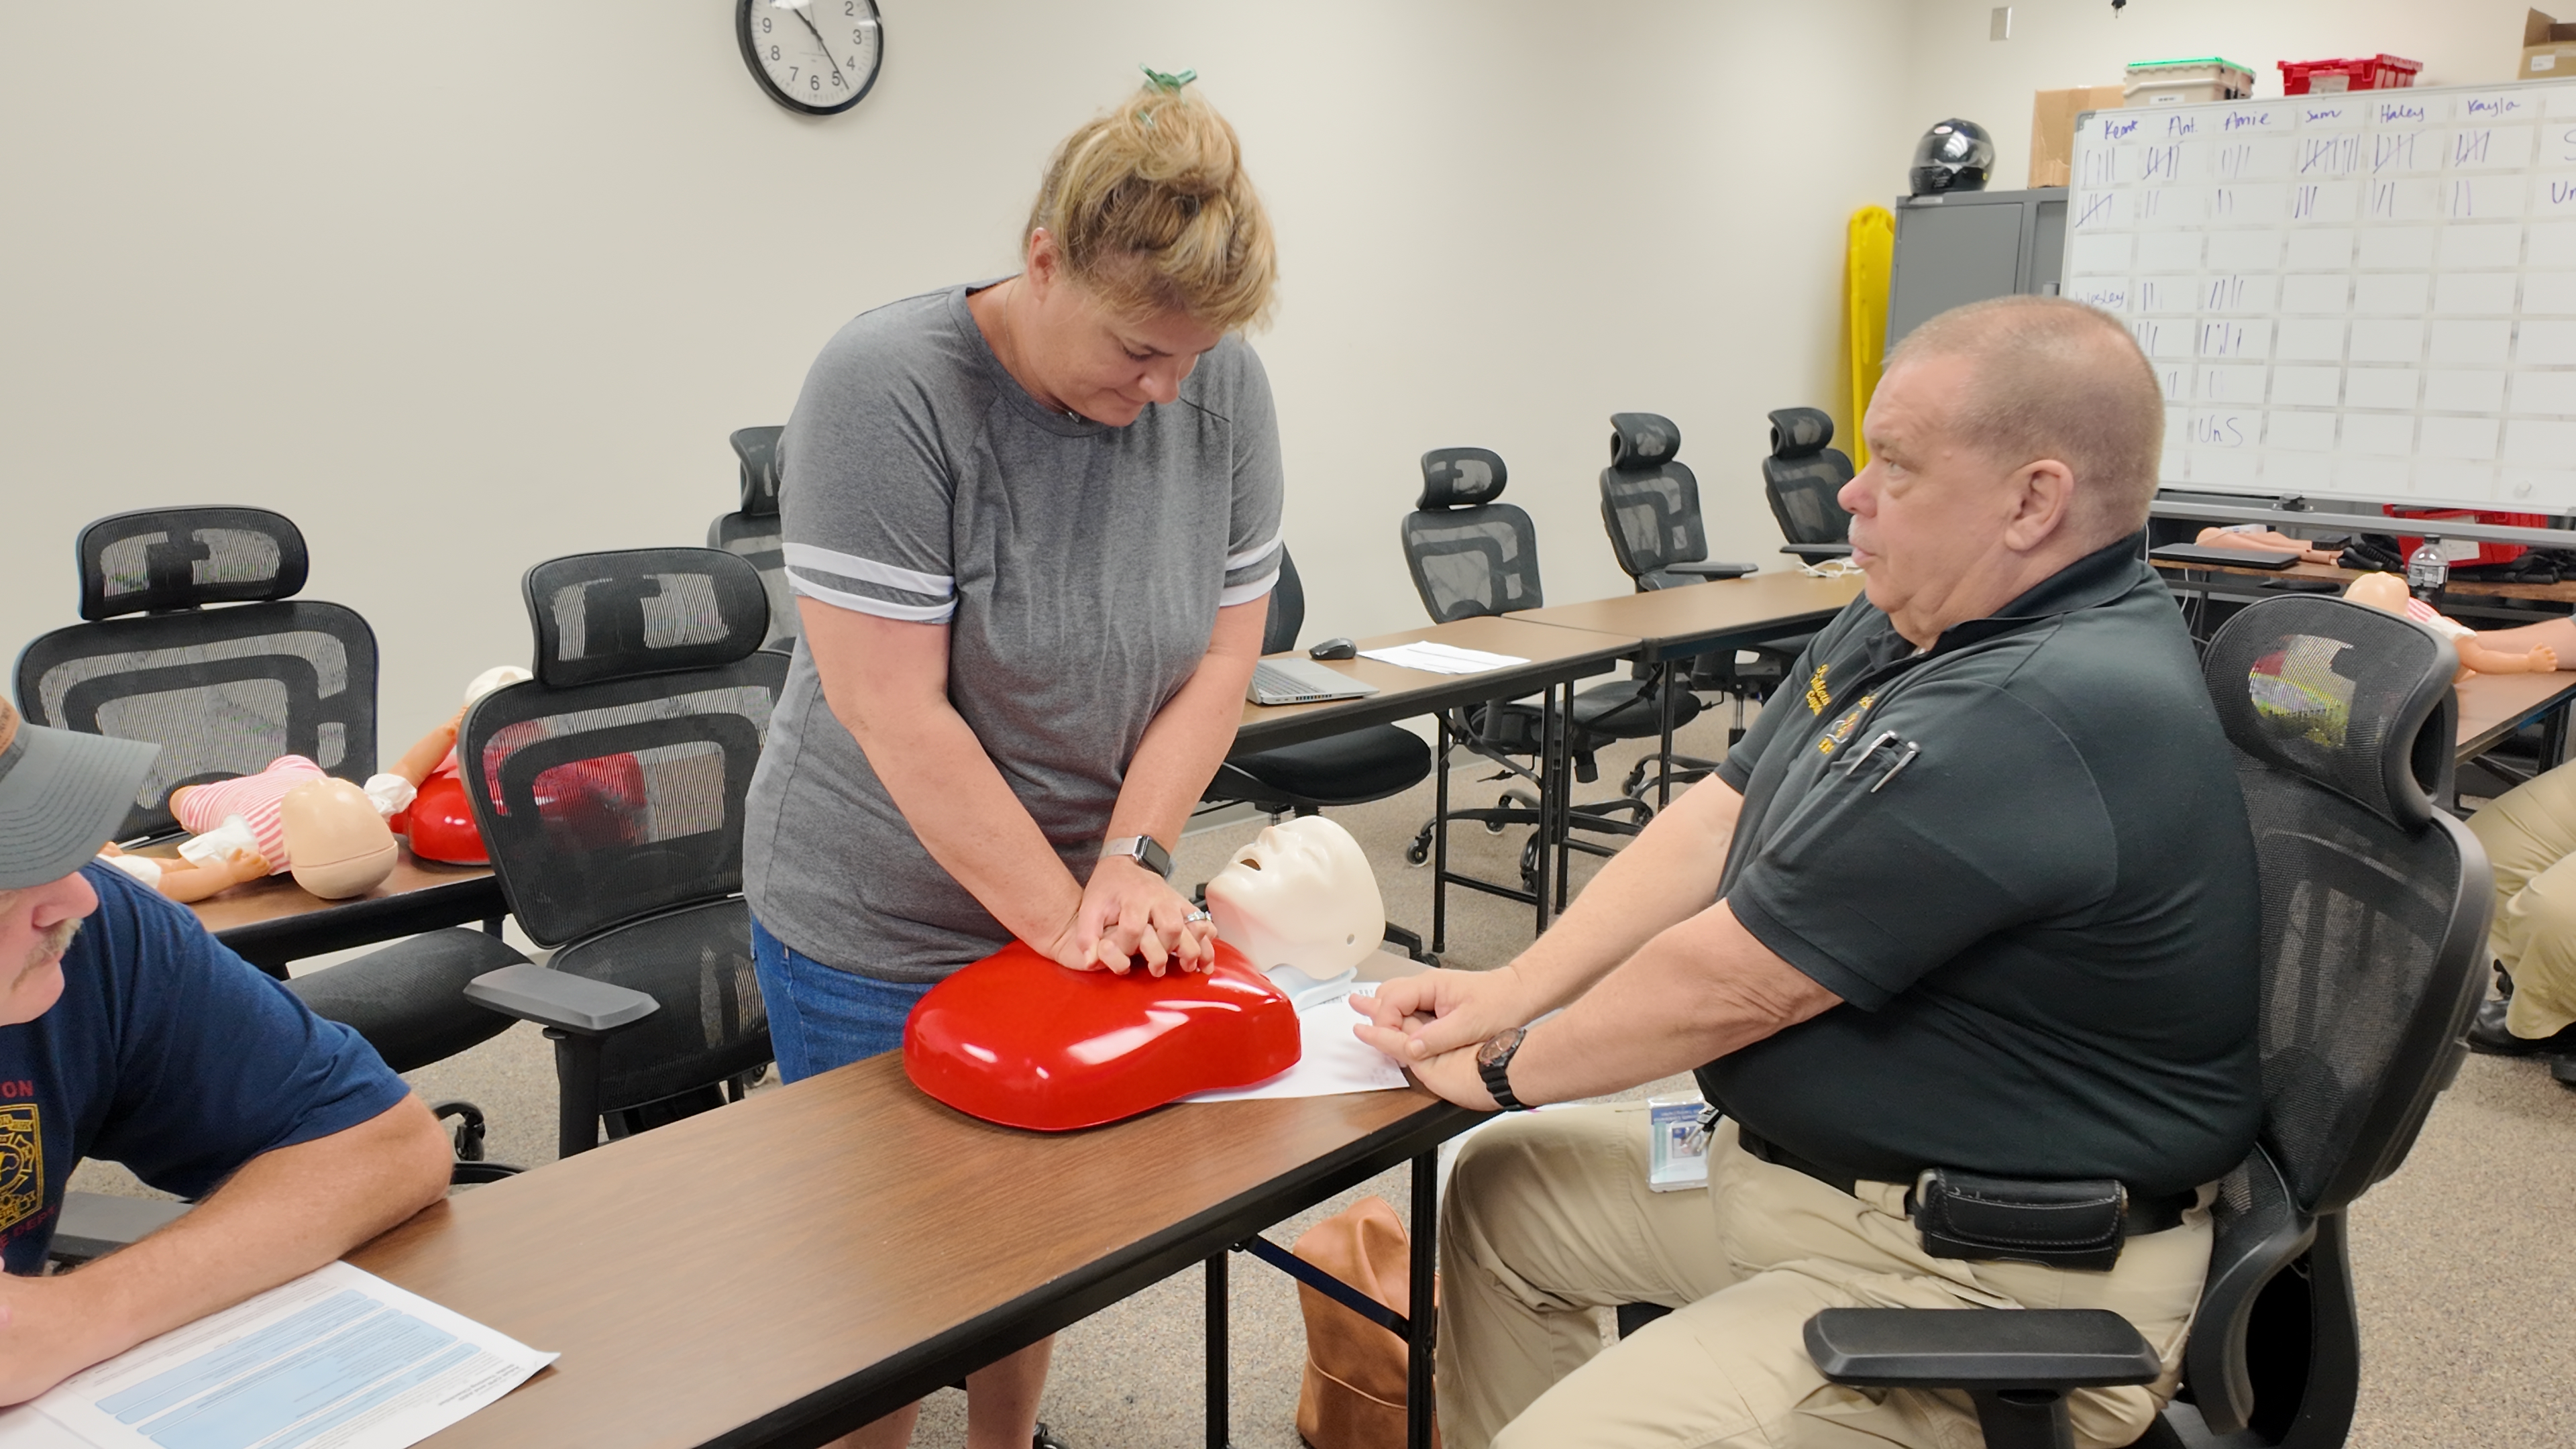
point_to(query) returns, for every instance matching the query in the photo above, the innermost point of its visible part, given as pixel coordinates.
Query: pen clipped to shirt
(1899, 750)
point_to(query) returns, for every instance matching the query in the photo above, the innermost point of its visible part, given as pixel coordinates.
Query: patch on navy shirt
(22, 1164)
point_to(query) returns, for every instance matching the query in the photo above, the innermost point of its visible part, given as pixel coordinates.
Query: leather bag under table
(1352, 1396)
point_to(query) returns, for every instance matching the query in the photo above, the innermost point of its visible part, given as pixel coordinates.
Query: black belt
(2145, 1214)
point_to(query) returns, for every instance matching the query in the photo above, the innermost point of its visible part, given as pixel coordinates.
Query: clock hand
(827, 49)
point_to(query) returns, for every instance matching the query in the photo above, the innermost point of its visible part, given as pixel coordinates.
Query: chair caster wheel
(1419, 852)
(1494, 827)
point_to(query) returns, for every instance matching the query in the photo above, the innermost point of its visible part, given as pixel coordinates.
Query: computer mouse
(1334, 649)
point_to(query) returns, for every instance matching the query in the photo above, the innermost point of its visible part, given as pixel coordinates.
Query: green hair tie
(1167, 81)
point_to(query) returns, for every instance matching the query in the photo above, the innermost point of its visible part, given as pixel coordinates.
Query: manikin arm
(423, 757)
(2265, 541)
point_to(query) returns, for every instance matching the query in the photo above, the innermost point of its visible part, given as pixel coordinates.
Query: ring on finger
(1196, 915)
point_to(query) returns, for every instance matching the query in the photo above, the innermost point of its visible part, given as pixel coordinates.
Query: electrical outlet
(1999, 23)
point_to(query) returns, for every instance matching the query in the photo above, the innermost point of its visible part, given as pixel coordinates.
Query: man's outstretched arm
(1658, 881)
(285, 1213)
(1695, 992)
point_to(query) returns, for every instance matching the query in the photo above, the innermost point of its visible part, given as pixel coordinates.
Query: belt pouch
(2002, 1219)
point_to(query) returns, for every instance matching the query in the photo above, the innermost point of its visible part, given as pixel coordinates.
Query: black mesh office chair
(752, 534)
(610, 789)
(1650, 509)
(1803, 478)
(2375, 909)
(1470, 555)
(226, 670)
(1350, 768)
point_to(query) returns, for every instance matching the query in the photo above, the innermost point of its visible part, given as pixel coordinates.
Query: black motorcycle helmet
(1955, 155)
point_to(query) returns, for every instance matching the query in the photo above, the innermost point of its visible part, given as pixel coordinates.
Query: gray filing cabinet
(1965, 246)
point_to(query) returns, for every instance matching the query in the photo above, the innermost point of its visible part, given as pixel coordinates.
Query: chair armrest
(1979, 1349)
(560, 1000)
(1814, 551)
(1711, 568)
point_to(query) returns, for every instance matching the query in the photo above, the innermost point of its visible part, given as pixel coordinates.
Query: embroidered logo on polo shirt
(1839, 732)
(22, 1163)
(1817, 695)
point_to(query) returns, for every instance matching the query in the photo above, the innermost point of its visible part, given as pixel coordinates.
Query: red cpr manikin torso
(1019, 1040)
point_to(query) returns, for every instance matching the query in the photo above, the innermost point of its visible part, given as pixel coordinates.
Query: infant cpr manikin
(1301, 894)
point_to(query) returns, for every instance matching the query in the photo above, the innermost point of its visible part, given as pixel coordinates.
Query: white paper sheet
(1331, 1060)
(1441, 658)
(337, 1359)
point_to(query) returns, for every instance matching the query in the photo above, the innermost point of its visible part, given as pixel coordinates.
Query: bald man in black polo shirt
(1984, 902)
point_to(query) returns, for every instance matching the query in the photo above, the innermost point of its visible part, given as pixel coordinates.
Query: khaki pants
(1548, 1216)
(2530, 834)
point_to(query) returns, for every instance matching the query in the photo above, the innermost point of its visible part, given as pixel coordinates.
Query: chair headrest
(761, 462)
(158, 559)
(1461, 477)
(1642, 442)
(2341, 695)
(1798, 432)
(642, 611)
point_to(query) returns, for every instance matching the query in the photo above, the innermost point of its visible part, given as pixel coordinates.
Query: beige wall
(464, 286)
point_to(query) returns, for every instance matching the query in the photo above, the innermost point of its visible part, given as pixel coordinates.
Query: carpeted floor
(2455, 1256)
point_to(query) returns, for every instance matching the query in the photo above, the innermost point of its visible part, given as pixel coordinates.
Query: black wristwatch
(1494, 1064)
(1145, 850)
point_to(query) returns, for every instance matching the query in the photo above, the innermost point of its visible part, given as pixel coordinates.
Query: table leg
(1664, 711)
(1440, 843)
(2553, 737)
(1422, 1318)
(1565, 805)
(1553, 733)
(1218, 1430)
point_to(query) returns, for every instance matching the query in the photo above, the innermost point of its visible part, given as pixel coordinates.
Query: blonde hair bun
(1154, 213)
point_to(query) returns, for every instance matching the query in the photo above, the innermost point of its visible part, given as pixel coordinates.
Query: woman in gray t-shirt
(1031, 525)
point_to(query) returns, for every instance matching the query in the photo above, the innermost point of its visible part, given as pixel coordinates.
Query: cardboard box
(2052, 129)
(2548, 48)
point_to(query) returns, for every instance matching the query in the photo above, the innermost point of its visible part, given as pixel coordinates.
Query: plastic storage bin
(2324, 77)
(2172, 82)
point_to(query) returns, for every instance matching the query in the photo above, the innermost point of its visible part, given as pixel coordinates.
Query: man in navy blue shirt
(127, 1033)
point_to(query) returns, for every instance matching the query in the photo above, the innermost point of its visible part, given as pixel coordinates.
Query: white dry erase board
(2369, 296)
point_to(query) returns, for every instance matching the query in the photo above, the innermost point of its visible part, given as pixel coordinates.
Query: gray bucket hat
(62, 795)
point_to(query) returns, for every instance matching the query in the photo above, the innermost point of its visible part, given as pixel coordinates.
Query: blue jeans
(821, 1018)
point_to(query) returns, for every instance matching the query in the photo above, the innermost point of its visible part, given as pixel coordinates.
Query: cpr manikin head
(2385, 592)
(1301, 894)
(339, 845)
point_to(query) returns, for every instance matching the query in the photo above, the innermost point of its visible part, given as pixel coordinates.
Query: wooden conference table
(1555, 658)
(2493, 706)
(1698, 619)
(273, 921)
(782, 1270)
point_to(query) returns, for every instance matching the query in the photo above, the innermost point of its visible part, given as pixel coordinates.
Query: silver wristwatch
(1145, 850)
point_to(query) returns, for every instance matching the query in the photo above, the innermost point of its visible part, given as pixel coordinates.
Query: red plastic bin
(2378, 73)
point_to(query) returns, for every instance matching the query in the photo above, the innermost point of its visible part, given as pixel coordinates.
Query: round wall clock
(814, 56)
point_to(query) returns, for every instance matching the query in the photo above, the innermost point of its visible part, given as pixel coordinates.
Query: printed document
(337, 1359)
(1441, 658)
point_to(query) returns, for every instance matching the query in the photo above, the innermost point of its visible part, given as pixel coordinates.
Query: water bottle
(2427, 569)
